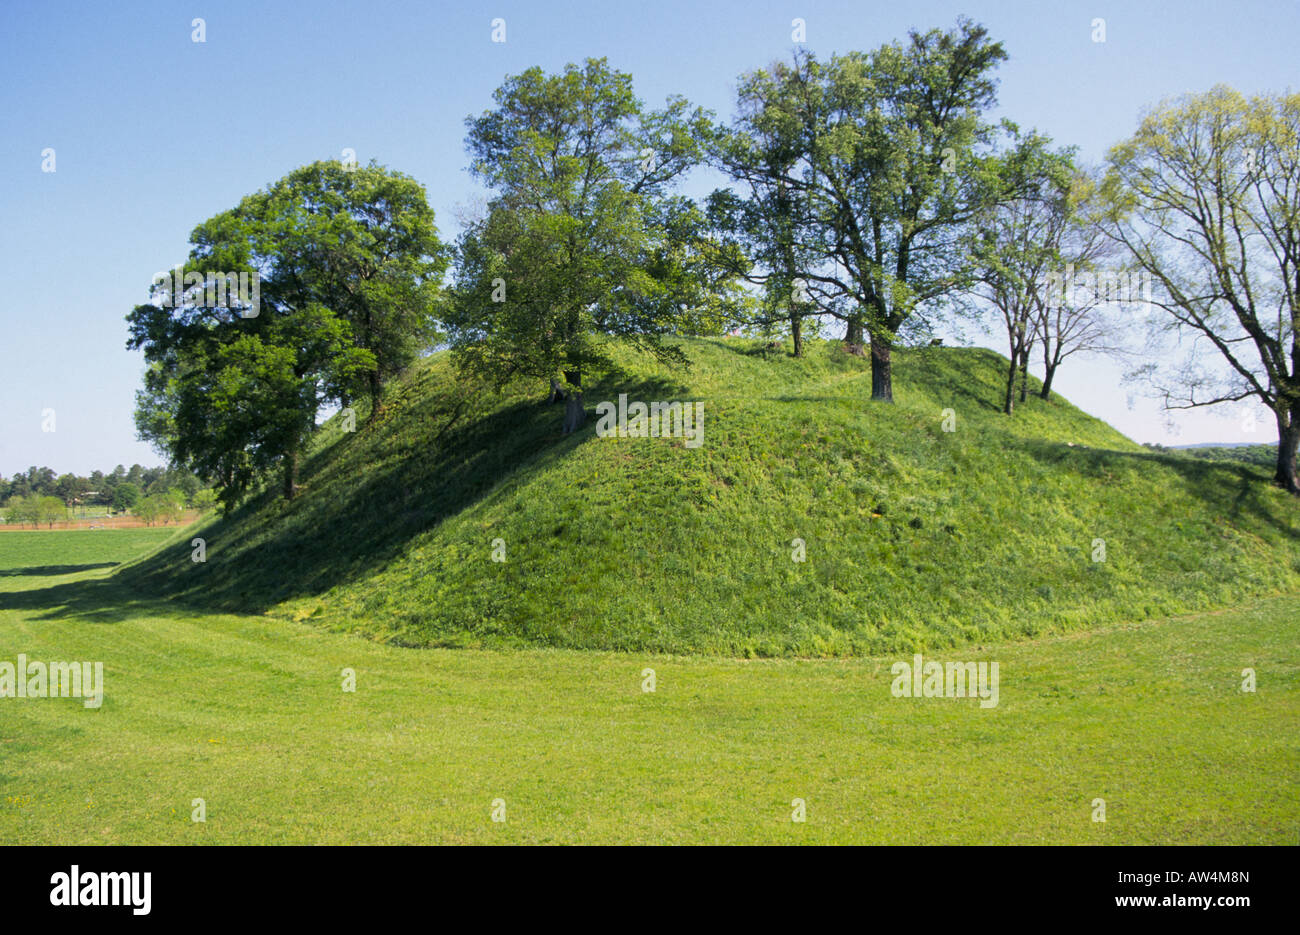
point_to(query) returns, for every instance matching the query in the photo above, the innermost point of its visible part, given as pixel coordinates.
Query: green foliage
(583, 237)
(51, 510)
(360, 241)
(348, 261)
(204, 500)
(916, 537)
(866, 171)
(22, 510)
(125, 496)
(98, 488)
(35, 510)
(165, 507)
(1208, 191)
(1261, 455)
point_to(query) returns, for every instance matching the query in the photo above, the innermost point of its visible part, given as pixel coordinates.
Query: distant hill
(915, 538)
(1212, 445)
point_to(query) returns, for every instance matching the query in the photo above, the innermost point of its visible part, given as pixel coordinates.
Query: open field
(82, 520)
(247, 712)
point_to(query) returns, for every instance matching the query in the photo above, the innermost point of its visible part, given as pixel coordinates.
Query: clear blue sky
(153, 133)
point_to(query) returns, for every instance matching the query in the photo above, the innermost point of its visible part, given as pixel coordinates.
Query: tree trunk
(373, 378)
(796, 329)
(1288, 435)
(557, 392)
(854, 333)
(290, 474)
(1046, 391)
(882, 373)
(1011, 384)
(1024, 375)
(574, 413)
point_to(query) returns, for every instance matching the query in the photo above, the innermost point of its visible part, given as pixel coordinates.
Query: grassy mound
(915, 537)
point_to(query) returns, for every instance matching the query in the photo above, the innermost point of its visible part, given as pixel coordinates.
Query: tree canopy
(1205, 199)
(348, 266)
(876, 163)
(583, 237)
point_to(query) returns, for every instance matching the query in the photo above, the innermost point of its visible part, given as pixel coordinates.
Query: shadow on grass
(1235, 490)
(101, 600)
(962, 375)
(50, 570)
(364, 499)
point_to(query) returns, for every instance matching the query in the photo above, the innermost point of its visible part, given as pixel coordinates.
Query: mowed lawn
(248, 713)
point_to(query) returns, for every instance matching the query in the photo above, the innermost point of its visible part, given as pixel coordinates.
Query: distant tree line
(1262, 455)
(39, 496)
(871, 191)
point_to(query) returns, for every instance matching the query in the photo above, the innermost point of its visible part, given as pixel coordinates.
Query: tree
(71, 489)
(21, 510)
(50, 510)
(1206, 202)
(19, 486)
(767, 227)
(1075, 320)
(165, 506)
(344, 297)
(148, 509)
(40, 481)
(98, 492)
(889, 156)
(1017, 247)
(362, 242)
(171, 506)
(110, 482)
(182, 483)
(125, 496)
(204, 500)
(582, 238)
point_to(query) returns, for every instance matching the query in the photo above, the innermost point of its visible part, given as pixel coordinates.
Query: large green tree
(23, 509)
(360, 241)
(886, 157)
(347, 262)
(583, 237)
(765, 226)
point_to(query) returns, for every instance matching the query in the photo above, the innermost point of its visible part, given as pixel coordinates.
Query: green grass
(247, 712)
(916, 538)
(52, 553)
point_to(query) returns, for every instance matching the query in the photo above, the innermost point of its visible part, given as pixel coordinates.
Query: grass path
(247, 713)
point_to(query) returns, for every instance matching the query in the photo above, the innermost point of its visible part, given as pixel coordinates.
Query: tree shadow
(51, 570)
(1233, 489)
(962, 375)
(100, 600)
(364, 499)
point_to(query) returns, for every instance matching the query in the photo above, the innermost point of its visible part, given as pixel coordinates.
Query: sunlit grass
(248, 713)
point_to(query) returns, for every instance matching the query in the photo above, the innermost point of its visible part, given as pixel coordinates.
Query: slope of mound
(913, 537)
